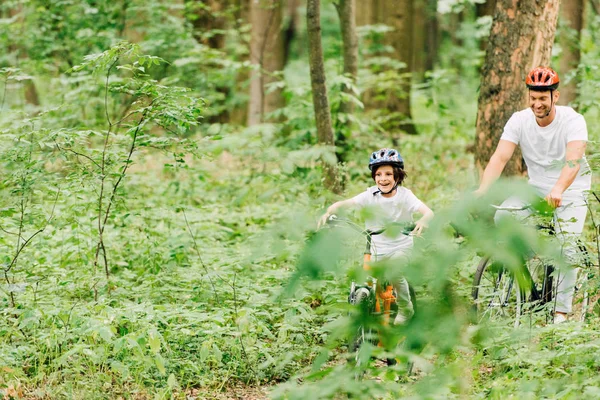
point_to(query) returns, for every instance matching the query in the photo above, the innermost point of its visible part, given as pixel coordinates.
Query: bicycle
(497, 294)
(376, 300)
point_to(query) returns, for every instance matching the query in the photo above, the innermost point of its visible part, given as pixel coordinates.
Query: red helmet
(542, 78)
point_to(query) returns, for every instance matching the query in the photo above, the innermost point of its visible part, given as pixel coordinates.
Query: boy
(395, 203)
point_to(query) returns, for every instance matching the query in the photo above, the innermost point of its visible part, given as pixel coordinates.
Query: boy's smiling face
(384, 178)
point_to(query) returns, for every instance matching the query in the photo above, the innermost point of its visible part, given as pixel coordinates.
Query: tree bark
(521, 38)
(398, 14)
(319, 88)
(267, 55)
(364, 12)
(425, 36)
(208, 16)
(572, 15)
(30, 92)
(291, 29)
(485, 9)
(347, 13)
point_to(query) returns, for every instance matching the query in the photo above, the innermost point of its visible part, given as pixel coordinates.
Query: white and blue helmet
(386, 156)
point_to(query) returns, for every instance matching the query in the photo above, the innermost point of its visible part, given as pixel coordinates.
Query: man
(553, 141)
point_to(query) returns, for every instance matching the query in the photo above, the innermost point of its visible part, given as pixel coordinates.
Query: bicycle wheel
(586, 273)
(364, 297)
(496, 293)
(544, 280)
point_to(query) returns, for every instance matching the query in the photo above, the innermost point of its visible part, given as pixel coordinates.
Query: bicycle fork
(387, 296)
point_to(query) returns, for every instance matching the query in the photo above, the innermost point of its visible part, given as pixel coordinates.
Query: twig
(126, 166)
(200, 257)
(77, 154)
(100, 245)
(596, 228)
(235, 310)
(22, 246)
(4, 93)
(8, 232)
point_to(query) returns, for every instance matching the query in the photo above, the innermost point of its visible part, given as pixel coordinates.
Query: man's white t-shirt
(544, 148)
(398, 208)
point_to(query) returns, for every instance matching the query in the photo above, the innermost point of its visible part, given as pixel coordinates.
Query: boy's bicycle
(375, 299)
(498, 295)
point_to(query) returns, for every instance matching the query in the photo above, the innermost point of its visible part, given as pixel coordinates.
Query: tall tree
(209, 20)
(319, 88)
(426, 36)
(521, 37)
(20, 55)
(572, 16)
(347, 13)
(364, 12)
(398, 14)
(485, 9)
(267, 56)
(291, 30)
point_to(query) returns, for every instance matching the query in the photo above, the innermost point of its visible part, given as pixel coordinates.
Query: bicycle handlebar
(334, 220)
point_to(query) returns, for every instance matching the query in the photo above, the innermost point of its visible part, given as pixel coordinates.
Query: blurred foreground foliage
(215, 280)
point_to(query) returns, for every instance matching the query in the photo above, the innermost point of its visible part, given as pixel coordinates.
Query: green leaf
(159, 361)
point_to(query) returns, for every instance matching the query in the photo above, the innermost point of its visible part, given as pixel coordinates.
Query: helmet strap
(551, 103)
(390, 191)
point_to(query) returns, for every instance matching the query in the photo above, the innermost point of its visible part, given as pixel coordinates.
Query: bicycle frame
(386, 296)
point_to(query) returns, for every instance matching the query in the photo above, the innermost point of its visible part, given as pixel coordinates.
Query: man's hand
(554, 198)
(478, 193)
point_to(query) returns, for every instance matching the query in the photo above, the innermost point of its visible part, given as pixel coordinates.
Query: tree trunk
(364, 12)
(486, 8)
(572, 16)
(319, 88)
(30, 92)
(347, 12)
(482, 10)
(267, 55)
(425, 36)
(521, 38)
(398, 14)
(208, 16)
(291, 29)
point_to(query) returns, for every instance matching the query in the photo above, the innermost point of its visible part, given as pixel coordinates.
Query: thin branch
(4, 93)
(103, 169)
(596, 227)
(77, 154)
(25, 243)
(106, 91)
(8, 232)
(200, 256)
(126, 166)
(235, 310)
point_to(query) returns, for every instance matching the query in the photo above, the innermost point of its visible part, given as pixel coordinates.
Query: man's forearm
(492, 173)
(567, 176)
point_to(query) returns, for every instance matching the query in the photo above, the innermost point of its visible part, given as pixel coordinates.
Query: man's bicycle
(375, 300)
(501, 295)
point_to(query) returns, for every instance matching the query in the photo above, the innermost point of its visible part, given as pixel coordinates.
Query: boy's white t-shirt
(398, 208)
(544, 149)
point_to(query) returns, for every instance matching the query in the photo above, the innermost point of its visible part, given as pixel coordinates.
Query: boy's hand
(323, 220)
(420, 225)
